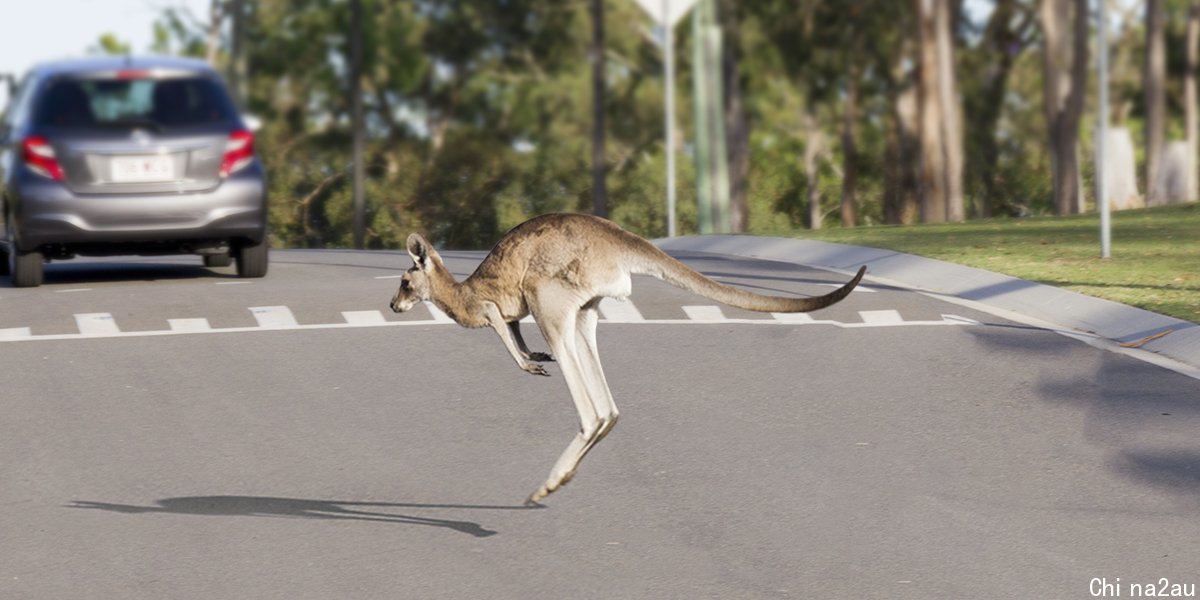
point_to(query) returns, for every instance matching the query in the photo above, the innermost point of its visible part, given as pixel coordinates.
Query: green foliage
(110, 44)
(479, 113)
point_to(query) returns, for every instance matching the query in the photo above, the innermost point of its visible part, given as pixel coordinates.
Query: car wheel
(26, 268)
(218, 260)
(252, 260)
(3, 261)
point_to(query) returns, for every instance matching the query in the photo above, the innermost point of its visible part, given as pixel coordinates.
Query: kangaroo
(558, 267)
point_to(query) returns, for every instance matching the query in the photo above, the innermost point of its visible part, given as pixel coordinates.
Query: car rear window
(175, 102)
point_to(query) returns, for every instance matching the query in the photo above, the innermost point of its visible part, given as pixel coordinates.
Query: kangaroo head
(414, 285)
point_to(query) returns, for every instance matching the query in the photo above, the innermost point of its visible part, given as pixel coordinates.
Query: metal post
(669, 69)
(1102, 127)
(357, 119)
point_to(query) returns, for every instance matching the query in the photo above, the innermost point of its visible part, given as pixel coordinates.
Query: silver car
(119, 156)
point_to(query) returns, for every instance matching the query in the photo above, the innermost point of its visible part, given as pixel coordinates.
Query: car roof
(94, 64)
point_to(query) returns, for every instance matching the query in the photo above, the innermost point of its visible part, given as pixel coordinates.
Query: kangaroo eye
(404, 284)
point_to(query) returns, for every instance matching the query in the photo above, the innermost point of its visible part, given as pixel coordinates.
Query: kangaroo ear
(419, 250)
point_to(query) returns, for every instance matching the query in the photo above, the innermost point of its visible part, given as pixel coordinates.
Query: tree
(216, 14)
(599, 161)
(939, 114)
(109, 44)
(1009, 30)
(850, 116)
(1154, 77)
(1065, 61)
(1191, 119)
(737, 128)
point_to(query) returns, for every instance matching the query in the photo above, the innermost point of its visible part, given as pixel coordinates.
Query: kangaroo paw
(535, 369)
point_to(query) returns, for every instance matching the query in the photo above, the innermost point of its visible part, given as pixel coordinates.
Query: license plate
(126, 169)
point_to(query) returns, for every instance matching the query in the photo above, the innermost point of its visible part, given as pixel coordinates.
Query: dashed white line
(363, 317)
(274, 317)
(91, 324)
(188, 325)
(797, 318)
(277, 318)
(72, 291)
(881, 317)
(704, 313)
(620, 311)
(15, 333)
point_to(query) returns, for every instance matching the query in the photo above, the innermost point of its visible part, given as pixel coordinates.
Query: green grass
(1155, 261)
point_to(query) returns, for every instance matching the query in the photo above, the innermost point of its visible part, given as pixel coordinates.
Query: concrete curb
(1119, 323)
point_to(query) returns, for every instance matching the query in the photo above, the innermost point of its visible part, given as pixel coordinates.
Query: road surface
(171, 431)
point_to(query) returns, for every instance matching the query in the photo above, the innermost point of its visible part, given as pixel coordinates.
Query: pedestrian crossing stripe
(281, 318)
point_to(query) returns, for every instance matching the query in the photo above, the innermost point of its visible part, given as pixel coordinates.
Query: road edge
(1121, 325)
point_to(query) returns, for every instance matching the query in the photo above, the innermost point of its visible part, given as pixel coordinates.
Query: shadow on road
(71, 272)
(254, 506)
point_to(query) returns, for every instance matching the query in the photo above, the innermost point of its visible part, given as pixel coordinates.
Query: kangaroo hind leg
(593, 372)
(558, 321)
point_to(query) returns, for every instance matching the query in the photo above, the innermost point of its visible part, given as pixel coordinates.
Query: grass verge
(1155, 261)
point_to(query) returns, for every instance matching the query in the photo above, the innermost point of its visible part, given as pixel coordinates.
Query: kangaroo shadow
(255, 506)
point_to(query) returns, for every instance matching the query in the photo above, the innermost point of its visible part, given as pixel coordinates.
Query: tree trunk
(901, 168)
(814, 143)
(599, 161)
(950, 126)
(929, 111)
(1154, 82)
(849, 205)
(237, 51)
(1063, 95)
(1191, 119)
(1005, 37)
(215, 16)
(737, 130)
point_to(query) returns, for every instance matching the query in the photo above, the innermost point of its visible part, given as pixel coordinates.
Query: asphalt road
(170, 431)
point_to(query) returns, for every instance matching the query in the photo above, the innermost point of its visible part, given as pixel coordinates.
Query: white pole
(1102, 117)
(669, 70)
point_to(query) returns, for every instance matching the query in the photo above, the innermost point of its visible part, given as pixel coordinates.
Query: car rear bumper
(46, 213)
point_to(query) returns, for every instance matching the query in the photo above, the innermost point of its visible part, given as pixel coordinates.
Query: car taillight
(39, 156)
(239, 151)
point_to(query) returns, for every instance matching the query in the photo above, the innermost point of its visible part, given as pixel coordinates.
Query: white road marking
(92, 324)
(389, 276)
(796, 318)
(274, 317)
(363, 317)
(881, 317)
(188, 325)
(72, 290)
(14, 333)
(960, 320)
(617, 311)
(704, 313)
(280, 318)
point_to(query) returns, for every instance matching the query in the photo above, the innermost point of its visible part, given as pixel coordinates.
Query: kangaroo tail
(659, 264)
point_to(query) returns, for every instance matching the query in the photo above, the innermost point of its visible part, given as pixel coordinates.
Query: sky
(33, 31)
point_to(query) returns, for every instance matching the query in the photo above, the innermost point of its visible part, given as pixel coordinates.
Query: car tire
(218, 260)
(3, 261)
(26, 268)
(252, 260)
